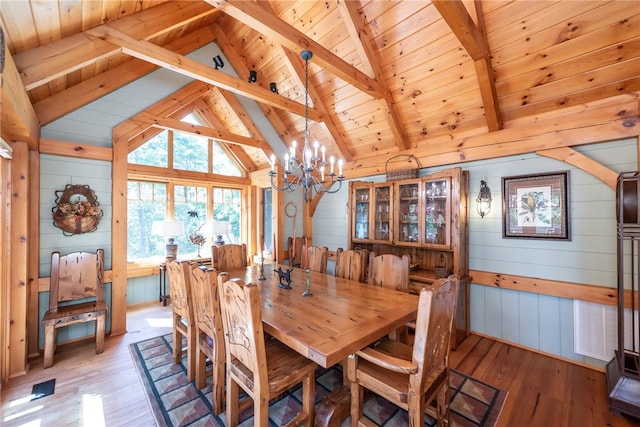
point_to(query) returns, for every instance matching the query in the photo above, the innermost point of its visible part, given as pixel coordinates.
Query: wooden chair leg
(308, 398)
(218, 387)
(100, 327)
(49, 344)
(201, 368)
(233, 394)
(191, 357)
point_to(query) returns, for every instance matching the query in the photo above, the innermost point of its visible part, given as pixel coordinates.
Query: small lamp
(220, 228)
(170, 230)
(217, 60)
(253, 76)
(484, 200)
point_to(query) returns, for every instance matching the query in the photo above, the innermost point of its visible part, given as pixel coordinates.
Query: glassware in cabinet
(408, 224)
(383, 213)
(361, 217)
(437, 212)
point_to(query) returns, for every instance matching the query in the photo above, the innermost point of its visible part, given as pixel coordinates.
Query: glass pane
(436, 212)
(141, 243)
(222, 164)
(362, 213)
(227, 214)
(267, 220)
(408, 213)
(190, 152)
(153, 152)
(382, 213)
(190, 207)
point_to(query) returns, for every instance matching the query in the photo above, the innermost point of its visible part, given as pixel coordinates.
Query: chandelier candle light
(304, 174)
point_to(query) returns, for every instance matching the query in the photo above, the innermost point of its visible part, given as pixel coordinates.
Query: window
(227, 205)
(147, 203)
(153, 153)
(172, 176)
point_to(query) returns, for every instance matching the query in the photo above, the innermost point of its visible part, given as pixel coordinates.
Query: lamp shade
(167, 228)
(220, 227)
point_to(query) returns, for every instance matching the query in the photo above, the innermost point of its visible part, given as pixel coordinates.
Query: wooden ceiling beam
(234, 151)
(356, 28)
(186, 66)
(238, 64)
(19, 121)
(43, 64)
(208, 132)
(297, 70)
(242, 115)
(579, 160)
(474, 41)
(254, 16)
(87, 91)
(600, 121)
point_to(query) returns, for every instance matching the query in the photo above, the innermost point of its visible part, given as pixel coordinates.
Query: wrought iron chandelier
(309, 174)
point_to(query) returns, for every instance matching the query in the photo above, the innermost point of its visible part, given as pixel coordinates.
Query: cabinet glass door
(437, 212)
(361, 224)
(382, 213)
(408, 230)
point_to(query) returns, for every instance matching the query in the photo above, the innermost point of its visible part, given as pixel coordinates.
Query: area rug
(175, 401)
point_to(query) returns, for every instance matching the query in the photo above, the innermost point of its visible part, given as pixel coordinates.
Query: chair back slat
(76, 276)
(206, 303)
(315, 258)
(436, 310)
(352, 264)
(229, 257)
(389, 271)
(179, 277)
(242, 321)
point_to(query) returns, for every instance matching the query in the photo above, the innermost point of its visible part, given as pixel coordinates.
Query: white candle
(286, 163)
(322, 172)
(331, 162)
(273, 162)
(308, 159)
(294, 145)
(323, 150)
(315, 149)
(340, 167)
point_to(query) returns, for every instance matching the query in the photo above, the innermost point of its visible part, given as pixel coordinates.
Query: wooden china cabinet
(425, 218)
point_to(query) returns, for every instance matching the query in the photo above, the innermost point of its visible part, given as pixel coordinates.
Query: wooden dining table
(339, 318)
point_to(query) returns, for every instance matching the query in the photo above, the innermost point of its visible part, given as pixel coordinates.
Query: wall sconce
(484, 200)
(273, 87)
(218, 61)
(253, 76)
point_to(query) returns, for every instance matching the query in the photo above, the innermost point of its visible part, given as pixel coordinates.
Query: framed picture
(536, 206)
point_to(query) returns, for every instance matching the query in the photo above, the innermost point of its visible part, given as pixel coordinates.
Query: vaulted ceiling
(446, 80)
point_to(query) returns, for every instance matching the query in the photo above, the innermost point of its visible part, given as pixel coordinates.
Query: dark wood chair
(229, 257)
(209, 335)
(179, 277)
(294, 250)
(411, 377)
(315, 258)
(352, 264)
(262, 367)
(76, 295)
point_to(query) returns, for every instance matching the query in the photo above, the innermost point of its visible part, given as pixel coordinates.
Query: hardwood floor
(104, 389)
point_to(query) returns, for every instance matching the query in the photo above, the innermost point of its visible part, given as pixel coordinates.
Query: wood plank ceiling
(425, 77)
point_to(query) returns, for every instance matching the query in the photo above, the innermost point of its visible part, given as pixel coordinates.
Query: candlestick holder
(307, 291)
(262, 276)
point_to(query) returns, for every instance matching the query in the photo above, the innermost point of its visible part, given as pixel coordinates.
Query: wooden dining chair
(352, 264)
(179, 277)
(389, 271)
(411, 377)
(229, 257)
(315, 258)
(392, 272)
(263, 368)
(209, 335)
(76, 295)
(294, 250)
